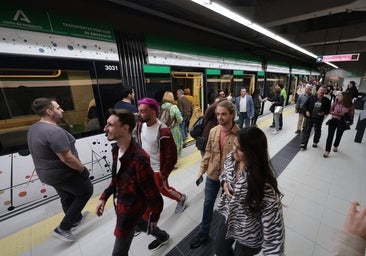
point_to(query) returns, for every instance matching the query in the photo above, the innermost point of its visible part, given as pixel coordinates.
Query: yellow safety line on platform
(35, 234)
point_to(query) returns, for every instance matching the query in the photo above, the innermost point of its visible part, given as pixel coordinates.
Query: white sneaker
(181, 205)
(64, 235)
(275, 131)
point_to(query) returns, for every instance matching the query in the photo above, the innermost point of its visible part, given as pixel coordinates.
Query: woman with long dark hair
(251, 205)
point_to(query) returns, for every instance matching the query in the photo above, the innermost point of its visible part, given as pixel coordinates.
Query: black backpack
(197, 128)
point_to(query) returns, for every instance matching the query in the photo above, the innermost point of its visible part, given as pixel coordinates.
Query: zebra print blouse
(265, 229)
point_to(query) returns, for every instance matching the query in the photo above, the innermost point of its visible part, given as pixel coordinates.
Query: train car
(83, 65)
(78, 65)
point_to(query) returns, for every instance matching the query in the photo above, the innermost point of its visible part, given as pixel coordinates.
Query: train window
(19, 87)
(219, 82)
(157, 84)
(272, 80)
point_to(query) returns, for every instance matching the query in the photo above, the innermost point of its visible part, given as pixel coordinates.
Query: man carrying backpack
(209, 121)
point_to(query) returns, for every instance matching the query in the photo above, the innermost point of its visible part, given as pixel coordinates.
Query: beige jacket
(213, 160)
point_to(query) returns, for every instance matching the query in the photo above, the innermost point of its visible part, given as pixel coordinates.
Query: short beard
(144, 120)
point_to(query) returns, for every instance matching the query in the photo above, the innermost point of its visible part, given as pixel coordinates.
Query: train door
(218, 80)
(272, 79)
(192, 81)
(157, 81)
(293, 88)
(243, 80)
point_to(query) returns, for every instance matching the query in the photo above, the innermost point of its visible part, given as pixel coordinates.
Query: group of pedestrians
(145, 153)
(313, 108)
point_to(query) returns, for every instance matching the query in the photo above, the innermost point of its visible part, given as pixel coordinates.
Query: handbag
(197, 128)
(272, 108)
(201, 143)
(278, 110)
(345, 122)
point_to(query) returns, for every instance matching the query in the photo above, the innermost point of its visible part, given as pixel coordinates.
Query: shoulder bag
(278, 110)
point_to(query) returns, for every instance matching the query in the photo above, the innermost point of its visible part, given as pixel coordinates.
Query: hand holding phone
(229, 190)
(229, 187)
(199, 180)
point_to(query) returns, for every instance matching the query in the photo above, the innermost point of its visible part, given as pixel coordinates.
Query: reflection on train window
(219, 82)
(272, 80)
(157, 84)
(19, 87)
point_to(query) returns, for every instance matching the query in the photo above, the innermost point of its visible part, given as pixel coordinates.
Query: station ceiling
(323, 27)
(326, 27)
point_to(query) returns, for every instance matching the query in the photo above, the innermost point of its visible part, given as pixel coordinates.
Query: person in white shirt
(244, 107)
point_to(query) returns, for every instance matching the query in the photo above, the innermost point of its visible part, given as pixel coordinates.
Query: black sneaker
(64, 235)
(198, 240)
(302, 147)
(272, 126)
(156, 244)
(315, 145)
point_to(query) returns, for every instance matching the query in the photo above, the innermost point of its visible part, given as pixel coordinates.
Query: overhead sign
(339, 57)
(41, 21)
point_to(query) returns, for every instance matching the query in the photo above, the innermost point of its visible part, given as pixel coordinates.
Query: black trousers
(224, 247)
(310, 122)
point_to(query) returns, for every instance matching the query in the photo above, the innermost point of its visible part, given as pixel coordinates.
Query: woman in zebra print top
(251, 205)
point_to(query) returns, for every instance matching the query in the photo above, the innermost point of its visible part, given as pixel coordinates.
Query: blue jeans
(183, 128)
(74, 194)
(212, 188)
(243, 117)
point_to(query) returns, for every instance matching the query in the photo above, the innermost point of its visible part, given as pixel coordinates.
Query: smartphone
(199, 180)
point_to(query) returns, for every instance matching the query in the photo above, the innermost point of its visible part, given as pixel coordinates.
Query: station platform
(317, 195)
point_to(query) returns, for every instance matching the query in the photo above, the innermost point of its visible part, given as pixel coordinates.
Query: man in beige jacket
(220, 143)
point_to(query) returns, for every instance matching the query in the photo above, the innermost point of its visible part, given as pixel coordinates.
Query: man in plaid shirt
(136, 196)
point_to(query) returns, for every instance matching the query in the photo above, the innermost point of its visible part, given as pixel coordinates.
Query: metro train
(83, 72)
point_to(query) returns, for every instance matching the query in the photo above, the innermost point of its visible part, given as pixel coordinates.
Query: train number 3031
(110, 67)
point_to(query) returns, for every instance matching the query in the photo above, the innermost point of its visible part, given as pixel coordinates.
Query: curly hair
(152, 103)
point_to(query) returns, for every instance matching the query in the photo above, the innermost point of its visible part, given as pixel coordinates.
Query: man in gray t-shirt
(57, 164)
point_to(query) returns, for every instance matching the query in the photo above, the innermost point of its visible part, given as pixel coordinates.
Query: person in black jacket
(352, 89)
(314, 110)
(277, 100)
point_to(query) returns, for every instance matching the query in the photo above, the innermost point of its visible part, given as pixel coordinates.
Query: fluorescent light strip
(161, 57)
(248, 23)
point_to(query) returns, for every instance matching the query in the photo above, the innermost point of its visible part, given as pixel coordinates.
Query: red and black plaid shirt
(134, 188)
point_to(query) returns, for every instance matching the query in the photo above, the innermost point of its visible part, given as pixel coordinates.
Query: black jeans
(310, 122)
(224, 247)
(122, 244)
(332, 128)
(74, 194)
